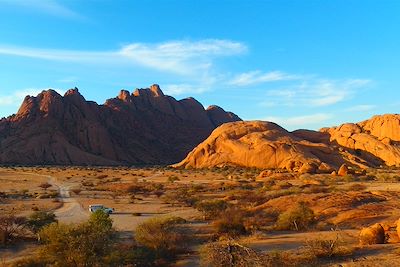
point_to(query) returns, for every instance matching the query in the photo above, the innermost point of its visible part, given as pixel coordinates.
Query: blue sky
(302, 64)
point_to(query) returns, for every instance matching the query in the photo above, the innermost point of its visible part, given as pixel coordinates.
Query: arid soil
(342, 205)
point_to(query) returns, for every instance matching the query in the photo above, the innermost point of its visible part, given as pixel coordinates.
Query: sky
(302, 64)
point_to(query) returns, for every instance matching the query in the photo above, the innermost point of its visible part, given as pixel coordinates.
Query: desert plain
(342, 206)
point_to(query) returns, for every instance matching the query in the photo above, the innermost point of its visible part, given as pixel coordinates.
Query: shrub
(128, 255)
(162, 235)
(182, 195)
(211, 208)
(173, 178)
(229, 253)
(83, 244)
(231, 223)
(327, 248)
(11, 227)
(300, 217)
(39, 219)
(258, 220)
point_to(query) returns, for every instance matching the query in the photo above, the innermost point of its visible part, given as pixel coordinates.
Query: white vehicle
(95, 207)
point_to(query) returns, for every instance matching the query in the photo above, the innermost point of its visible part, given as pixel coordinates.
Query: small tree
(297, 218)
(40, 219)
(211, 208)
(230, 223)
(85, 244)
(162, 235)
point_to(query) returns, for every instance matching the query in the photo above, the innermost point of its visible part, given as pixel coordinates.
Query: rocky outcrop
(262, 145)
(376, 139)
(143, 127)
(338, 150)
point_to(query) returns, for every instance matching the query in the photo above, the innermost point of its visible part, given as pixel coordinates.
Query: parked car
(95, 207)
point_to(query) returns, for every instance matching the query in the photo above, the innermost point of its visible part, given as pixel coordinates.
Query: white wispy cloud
(316, 92)
(300, 121)
(258, 77)
(188, 58)
(50, 7)
(181, 57)
(16, 97)
(58, 55)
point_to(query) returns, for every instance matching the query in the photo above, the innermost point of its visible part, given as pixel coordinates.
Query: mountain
(266, 145)
(145, 127)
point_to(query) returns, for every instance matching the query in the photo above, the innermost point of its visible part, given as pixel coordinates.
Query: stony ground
(343, 205)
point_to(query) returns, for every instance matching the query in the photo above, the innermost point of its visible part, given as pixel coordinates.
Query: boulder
(374, 234)
(259, 144)
(343, 170)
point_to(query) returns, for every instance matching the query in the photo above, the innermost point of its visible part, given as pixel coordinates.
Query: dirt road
(71, 210)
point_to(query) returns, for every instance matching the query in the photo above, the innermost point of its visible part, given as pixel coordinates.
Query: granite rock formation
(143, 127)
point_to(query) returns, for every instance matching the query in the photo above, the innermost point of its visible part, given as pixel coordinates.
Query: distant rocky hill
(266, 145)
(145, 127)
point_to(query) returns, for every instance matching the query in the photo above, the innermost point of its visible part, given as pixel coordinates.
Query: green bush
(180, 196)
(212, 208)
(164, 236)
(300, 217)
(84, 244)
(39, 219)
(231, 223)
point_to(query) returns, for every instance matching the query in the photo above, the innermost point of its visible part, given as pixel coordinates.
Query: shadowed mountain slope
(145, 127)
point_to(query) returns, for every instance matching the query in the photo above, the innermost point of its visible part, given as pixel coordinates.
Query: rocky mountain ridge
(143, 127)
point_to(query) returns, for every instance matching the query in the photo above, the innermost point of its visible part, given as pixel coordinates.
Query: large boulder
(374, 234)
(263, 145)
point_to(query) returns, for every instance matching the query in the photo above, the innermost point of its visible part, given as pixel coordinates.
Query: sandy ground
(73, 207)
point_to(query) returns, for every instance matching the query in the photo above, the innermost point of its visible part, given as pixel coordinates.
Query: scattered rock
(308, 168)
(374, 234)
(343, 170)
(398, 227)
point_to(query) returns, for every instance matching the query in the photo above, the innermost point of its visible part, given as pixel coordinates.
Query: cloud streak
(49, 7)
(305, 120)
(315, 92)
(181, 57)
(259, 77)
(187, 58)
